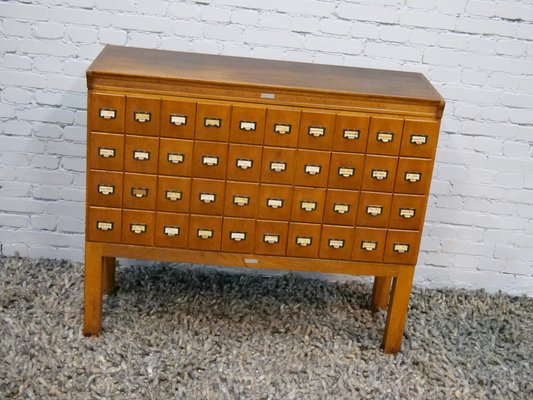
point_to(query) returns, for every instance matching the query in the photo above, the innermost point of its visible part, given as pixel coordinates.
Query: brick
(14, 250)
(17, 128)
(448, 57)
(65, 208)
(522, 116)
(44, 177)
(528, 181)
(498, 114)
(175, 44)
(525, 31)
(21, 144)
(365, 13)
(14, 189)
(45, 161)
(70, 225)
(48, 115)
(453, 7)
(473, 77)
(43, 222)
(308, 7)
(513, 180)
(514, 253)
(17, 95)
(273, 37)
(7, 111)
(184, 10)
(71, 254)
(488, 145)
(24, 11)
(75, 133)
(509, 65)
(188, 28)
(364, 30)
(48, 98)
(42, 252)
(12, 27)
(275, 20)
(393, 51)
(215, 14)
(63, 82)
(331, 44)
(236, 49)
(21, 205)
(49, 47)
(14, 61)
(73, 164)
(480, 176)
(244, 17)
(48, 64)
(82, 35)
(516, 149)
(304, 24)
(145, 40)
(79, 180)
(206, 46)
(117, 5)
(500, 222)
(22, 79)
(483, 8)
(112, 36)
(49, 30)
(511, 48)
(427, 20)
(226, 33)
(14, 159)
(515, 12)
(72, 193)
(485, 26)
(82, 17)
(394, 33)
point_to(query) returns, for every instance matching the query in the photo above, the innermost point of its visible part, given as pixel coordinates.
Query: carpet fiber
(196, 333)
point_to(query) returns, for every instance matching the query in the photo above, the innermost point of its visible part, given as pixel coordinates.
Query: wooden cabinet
(258, 163)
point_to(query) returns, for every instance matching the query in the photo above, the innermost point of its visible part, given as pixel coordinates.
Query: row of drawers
(248, 163)
(254, 124)
(254, 200)
(251, 236)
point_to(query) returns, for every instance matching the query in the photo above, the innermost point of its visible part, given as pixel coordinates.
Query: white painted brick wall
(479, 54)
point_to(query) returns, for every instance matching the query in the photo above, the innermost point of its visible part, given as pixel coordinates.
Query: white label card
(401, 248)
(178, 120)
(385, 137)
(141, 155)
(303, 241)
(272, 239)
(278, 166)
(142, 116)
(419, 139)
(316, 131)
(346, 172)
(241, 200)
(336, 243)
(282, 129)
(209, 160)
(369, 246)
(172, 195)
(106, 113)
(207, 197)
(244, 164)
(275, 203)
(106, 152)
(171, 231)
(379, 174)
(175, 158)
(138, 228)
(237, 236)
(247, 125)
(104, 226)
(412, 176)
(341, 208)
(106, 190)
(351, 134)
(312, 169)
(205, 233)
(374, 210)
(308, 205)
(407, 212)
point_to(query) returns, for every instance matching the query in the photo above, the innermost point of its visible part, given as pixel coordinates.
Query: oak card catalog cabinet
(258, 164)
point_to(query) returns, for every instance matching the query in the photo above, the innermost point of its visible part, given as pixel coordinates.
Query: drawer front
(413, 176)
(312, 168)
(105, 189)
(317, 130)
(346, 171)
(278, 165)
(106, 151)
(419, 138)
(402, 247)
(207, 196)
(308, 204)
(209, 160)
(336, 242)
(244, 162)
(341, 207)
(143, 115)
(374, 209)
(407, 211)
(106, 112)
(141, 154)
(238, 235)
(379, 174)
(247, 124)
(138, 227)
(303, 240)
(369, 244)
(385, 136)
(351, 133)
(140, 191)
(178, 119)
(173, 194)
(271, 237)
(212, 121)
(171, 230)
(275, 202)
(242, 199)
(175, 157)
(282, 127)
(104, 225)
(205, 232)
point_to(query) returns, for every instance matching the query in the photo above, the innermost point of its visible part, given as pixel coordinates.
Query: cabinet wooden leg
(109, 275)
(94, 270)
(381, 292)
(397, 312)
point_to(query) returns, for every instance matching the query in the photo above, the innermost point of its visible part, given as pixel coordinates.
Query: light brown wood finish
(93, 289)
(108, 275)
(381, 292)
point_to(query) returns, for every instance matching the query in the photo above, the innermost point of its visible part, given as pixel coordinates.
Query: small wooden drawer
(106, 151)
(105, 189)
(346, 170)
(173, 194)
(238, 235)
(317, 130)
(379, 173)
(278, 165)
(419, 138)
(271, 237)
(244, 162)
(247, 124)
(303, 240)
(407, 211)
(374, 209)
(312, 168)
(143, 115)
(308, 204)
(242, 199)
(413, 176)
(385, 136)
(140, 191)
(104, 224)
(212, 121)
(210, 159)
(178, 118)
(141, 154)
(341, 207)
(207, 196)
(369, 244)
(138, 227)
(351, 133)
(175, 157)
(275, 202)
(402, 247)
(171, 230)
(282, 127)
(107, 112)
(336, 242)
(205, 232)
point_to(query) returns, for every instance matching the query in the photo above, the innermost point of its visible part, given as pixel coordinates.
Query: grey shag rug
(174, 332)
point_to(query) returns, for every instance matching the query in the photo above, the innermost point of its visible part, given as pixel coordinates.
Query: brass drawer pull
(107, 113)
(247, 125)
(407, 212)
(138, 228)
(346, 172)
(270, 238)
(304, 241)
(210, 122)
(400, 248)
(380, 174)
(316, 131)
(106, 189)
(308, 205)
(237, 236)
(173, 195)
(385, 137)
(208, 197)
(141, 155)
(275, 203)
(341, 208)
(244, 164)
(369, 245)
(351, 134)
(178, 120)
(336, 243)
(210, 160)
(139, 192)
(171, 230)
(204, 233)
(106, 152)
(104, 225)
(282, 129)
(374, 210)
(175, 158)
(312, 169)
(413, 176)
(241, 200)
(419, 139)
(278, 166)
(142, 117)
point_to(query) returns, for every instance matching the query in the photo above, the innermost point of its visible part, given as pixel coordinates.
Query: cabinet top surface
(128, 61)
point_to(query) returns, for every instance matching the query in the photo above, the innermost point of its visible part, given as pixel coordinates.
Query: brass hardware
(244, 164)
(178, 120)
(141, 155)
(308, 205)
(346, 171)
(413, 176)
(175, 158)
(374, 210)
(142, 116)
(139, 192)
(400, 248)
(107, 113)
(104, 225)
(419, 139)
(207, 197)
(380, 174)
(303, 241)
(204, 233)
(275, 203)
(312, 169)
(106, 152)
(316, 131)
(237, 236)
(171, 230)
(278, 166)
(271, 239)
(341, 208)
(212, 122)
(138, 228)
(106, 189)
(241, 200)
(368, 245)
(172, 195)
(407, 212)
(351, 134)
(247, 125)
(210, 160)
(336, 243)
(385, 137)
(282, 129)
